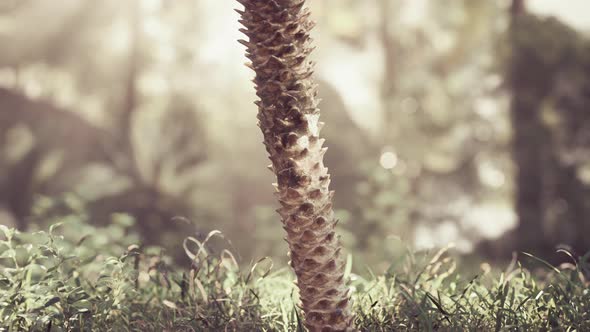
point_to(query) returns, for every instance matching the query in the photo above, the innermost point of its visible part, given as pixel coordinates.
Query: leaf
(199, 244)
(51, 302)
(188, 252)
(82, 239)
(170, 304)
(348, 267)
(10, 253)
(253, 268)
(201, 290)
(53, 227)
(8, 232)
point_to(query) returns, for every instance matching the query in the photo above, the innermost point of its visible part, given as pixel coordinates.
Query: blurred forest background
(447, 121)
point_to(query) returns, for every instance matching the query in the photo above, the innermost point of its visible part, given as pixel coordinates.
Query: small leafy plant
(76, 277)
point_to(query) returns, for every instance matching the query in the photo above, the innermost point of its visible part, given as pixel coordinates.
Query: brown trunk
(527, 150)
(388, 85)
(130, 98)
(279, 46)
(517, 7)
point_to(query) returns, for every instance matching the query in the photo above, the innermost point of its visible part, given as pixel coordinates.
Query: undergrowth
(75, 277)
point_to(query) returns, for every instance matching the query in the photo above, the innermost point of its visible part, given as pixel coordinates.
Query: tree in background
(442, 153)
(35, 134)
(51, 146)
(544, 75)
(121, 105)
(279, 46)
(529, 87)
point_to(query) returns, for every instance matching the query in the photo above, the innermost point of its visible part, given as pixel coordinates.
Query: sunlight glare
(388, 160)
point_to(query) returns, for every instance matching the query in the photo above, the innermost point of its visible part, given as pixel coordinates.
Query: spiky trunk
(279, 47)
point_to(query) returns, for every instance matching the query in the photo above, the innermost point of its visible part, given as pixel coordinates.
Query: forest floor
(76, 277)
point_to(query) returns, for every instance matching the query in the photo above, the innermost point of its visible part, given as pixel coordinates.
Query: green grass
(75, 277)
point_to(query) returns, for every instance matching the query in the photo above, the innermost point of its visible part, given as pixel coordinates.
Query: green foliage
(426, 294)
(382, 216)
(78, 278)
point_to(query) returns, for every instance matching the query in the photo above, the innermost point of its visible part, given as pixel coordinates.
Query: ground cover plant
(76, 277)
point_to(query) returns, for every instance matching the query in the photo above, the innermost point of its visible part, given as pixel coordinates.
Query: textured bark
(279, 46)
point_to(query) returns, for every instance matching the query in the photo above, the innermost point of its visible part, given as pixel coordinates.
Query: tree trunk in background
(53, 129)
(517, 8)
(388, 85)
(527, 147)
(18, 190)
(130, 98)
(527, 152)
(569, 210)
(279, 46)
(551, 201)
